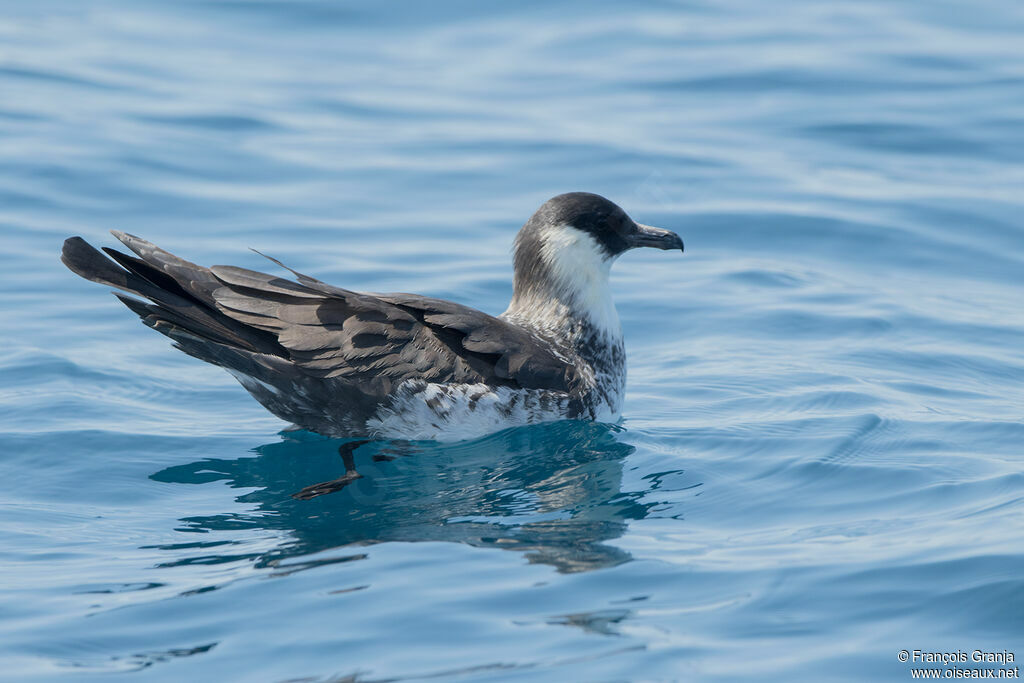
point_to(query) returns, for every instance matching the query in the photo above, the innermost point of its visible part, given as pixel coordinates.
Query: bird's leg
(346, 451)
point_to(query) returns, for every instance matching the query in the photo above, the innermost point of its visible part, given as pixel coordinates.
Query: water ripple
(821, 446)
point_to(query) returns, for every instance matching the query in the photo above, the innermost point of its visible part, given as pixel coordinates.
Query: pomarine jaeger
(404, 366)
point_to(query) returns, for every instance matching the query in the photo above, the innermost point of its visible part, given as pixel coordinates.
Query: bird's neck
(567, 300)
(562, 291)
(583, 316)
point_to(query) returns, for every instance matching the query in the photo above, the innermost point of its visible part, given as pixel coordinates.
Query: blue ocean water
(820, 462)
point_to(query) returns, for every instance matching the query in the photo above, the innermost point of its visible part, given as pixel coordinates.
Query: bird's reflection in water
(551, 491)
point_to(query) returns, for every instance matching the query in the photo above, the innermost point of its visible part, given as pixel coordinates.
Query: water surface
(820, 461)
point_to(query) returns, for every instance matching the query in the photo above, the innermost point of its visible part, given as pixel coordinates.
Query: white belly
(449, 412)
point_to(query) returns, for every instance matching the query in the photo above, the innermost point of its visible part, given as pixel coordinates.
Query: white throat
(578, 270)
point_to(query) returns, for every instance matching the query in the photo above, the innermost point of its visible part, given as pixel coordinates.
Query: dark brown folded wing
(378, 341)
(368, 342)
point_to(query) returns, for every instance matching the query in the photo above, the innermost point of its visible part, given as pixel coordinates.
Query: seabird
(404, 366)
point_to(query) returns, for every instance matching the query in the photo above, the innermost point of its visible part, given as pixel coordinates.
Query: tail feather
(267, 368)
(84, 260)
(183, 301)
(147, 272)
(172, 303)
(195, 279)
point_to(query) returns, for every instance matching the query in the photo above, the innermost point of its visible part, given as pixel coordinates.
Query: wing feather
(371, 342)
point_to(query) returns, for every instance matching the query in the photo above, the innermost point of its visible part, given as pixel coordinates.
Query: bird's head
(566, 249)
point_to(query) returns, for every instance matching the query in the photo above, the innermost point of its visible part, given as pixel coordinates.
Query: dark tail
(181, 303)
(179, 299)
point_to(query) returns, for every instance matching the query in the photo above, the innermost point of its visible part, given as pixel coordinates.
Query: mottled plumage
(346, 363)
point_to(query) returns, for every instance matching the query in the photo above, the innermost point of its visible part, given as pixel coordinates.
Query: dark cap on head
(603, 220)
